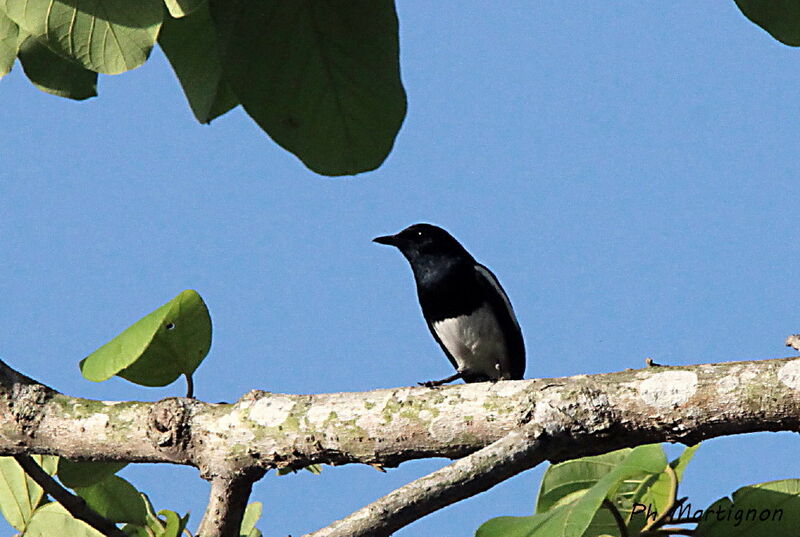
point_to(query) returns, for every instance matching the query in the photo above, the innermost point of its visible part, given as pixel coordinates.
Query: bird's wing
(442, 345)
(501, 306)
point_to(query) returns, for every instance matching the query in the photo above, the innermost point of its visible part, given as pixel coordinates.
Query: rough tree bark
(496, 430)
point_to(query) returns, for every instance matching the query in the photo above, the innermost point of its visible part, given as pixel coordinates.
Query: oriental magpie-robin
(465, 308)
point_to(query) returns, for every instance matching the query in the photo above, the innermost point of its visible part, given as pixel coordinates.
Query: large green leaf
(781, 18)
(19, 494)
(106, 36)
(321, 77)
(9, 43)
(52, 520)
(571, 515)
(115, 499)
(53, 74)
(84, 473)
(190, 44)
(765, 510)
(158, 348)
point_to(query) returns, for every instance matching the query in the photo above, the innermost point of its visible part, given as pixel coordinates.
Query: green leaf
(563, 483)
(191, 46)
(52, 520)
(9, 43)
(251, 515)
(115, 499)
(53, 74)
(572, 519)
(19, 494)
(655, 492)
(321, 78)
(106, 36)
(680, 464)
(159, 347)
(184, 522)
(510, 526)
(565, 478)
(781, 18)
(763, 510)
(49, 463)
(182, 8)
(171, 525)
(83, 473)
(174, 524)
(136, 531)
(153, 521)
(315, 469)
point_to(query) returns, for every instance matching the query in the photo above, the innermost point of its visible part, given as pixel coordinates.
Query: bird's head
(422, 241)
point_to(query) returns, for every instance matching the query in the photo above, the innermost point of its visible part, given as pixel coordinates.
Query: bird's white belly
(476, 343)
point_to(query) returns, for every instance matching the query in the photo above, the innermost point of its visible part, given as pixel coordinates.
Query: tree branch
(226, 504)
(387, 427)
(575, 416)
(75, 505)
(515, 452)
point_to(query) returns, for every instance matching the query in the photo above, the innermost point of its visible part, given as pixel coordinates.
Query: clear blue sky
(629, 171)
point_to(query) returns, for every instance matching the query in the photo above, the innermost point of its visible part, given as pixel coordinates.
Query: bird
(465, 307)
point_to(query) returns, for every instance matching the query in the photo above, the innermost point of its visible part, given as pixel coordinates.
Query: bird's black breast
(444, 294)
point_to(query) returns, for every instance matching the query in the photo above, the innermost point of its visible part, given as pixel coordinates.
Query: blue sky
(629, 172)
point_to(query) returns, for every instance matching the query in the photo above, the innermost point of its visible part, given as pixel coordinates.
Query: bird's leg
(434, 383)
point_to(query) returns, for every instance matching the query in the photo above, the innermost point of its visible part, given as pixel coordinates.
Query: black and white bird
(464, 305)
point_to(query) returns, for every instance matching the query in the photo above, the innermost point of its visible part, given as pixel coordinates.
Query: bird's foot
(435, 383)
(429, 384)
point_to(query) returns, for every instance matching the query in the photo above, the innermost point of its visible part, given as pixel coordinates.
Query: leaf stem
(189, 386)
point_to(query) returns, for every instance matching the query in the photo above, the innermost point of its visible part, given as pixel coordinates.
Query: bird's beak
(391, 240)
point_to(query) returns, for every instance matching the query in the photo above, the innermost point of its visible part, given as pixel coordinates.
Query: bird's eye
(419, 233)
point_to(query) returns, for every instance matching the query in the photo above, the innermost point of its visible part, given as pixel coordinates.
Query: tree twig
(517, 451)
(73, 504)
